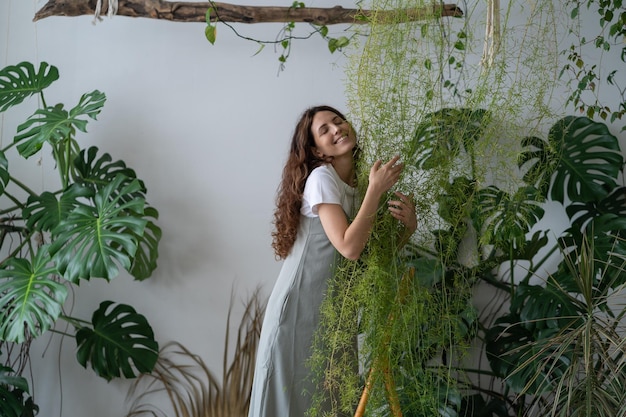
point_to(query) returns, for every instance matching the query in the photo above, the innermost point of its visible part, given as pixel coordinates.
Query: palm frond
(192, 389)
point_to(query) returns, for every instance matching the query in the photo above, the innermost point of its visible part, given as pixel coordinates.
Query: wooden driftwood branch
(180, 11)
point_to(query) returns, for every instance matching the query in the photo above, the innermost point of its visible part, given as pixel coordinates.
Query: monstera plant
(560, 346)
(97, 222)
(554, 330)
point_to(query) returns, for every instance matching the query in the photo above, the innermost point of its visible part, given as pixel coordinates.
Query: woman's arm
(350, 239)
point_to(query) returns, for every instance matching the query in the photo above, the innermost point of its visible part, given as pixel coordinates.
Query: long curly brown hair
(300, 162)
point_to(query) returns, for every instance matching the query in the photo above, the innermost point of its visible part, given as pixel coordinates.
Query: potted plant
(555, 340)
(559, 347)
(97, 222)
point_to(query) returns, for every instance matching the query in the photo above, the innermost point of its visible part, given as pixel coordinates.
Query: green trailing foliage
(285, 37)
(605, 24)
(97, 223)
(488, 159)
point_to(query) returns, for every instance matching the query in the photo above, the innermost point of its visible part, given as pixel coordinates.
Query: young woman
(315, 203)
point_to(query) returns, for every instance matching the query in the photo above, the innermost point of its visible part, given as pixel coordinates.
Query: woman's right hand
(350, 239)
(384, 176)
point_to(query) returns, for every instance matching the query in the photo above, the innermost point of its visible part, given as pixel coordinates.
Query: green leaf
(17, 82)
(89, 105)
(121, 342)
(12, 380)
(581, 160)
(4, 172)
(443, 134)
(505, 219)
(608, 247)
(145, 261)
(30, 297)
(455, 203)
(532, 246)
(542, 307)
(342, 42)
(582, 213)
(332, 45)
(92, 240)
(14, 398)
(55, 124)
(210, 32)
(525, 360)
(96, 174)
(429, 272)
(44, 212)
(50, 124)
(16, 403)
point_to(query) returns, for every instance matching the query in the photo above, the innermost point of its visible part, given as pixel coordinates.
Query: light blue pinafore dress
(283, 385)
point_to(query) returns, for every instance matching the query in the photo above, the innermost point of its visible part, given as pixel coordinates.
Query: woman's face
(333, 135)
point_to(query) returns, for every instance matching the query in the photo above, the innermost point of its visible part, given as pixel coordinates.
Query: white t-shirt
(325, 186)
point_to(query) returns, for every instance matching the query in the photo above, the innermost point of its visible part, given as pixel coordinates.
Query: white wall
(207, 128)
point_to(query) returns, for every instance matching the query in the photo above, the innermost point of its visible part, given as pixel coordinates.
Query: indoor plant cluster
(556, 335)
(96, 222)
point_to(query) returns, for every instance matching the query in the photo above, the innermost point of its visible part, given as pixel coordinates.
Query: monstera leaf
(18, 82)
(121, 342)
(14, 399)
(4, 172)
(6, 379)
(97, 173)
(504, 219)
(443, 134)
(30, 297)
(526, 360)
(545, 306)
(54, 124)
(532, 246)
(597, 254)
(91, 240)
(582, 213)
(45, 212)
(529, 347)
(581, 160)
(145, 261)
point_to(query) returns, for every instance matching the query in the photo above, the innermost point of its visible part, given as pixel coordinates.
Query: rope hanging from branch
(492, 34)
(111, 9)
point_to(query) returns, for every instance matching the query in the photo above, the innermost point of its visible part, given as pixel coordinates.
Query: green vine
(284, 38)
(586, 74)
(428, 91)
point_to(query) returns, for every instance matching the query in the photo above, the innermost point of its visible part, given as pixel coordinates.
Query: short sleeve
(321, 187)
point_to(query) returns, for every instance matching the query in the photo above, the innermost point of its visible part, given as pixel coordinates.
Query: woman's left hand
(403, 209)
